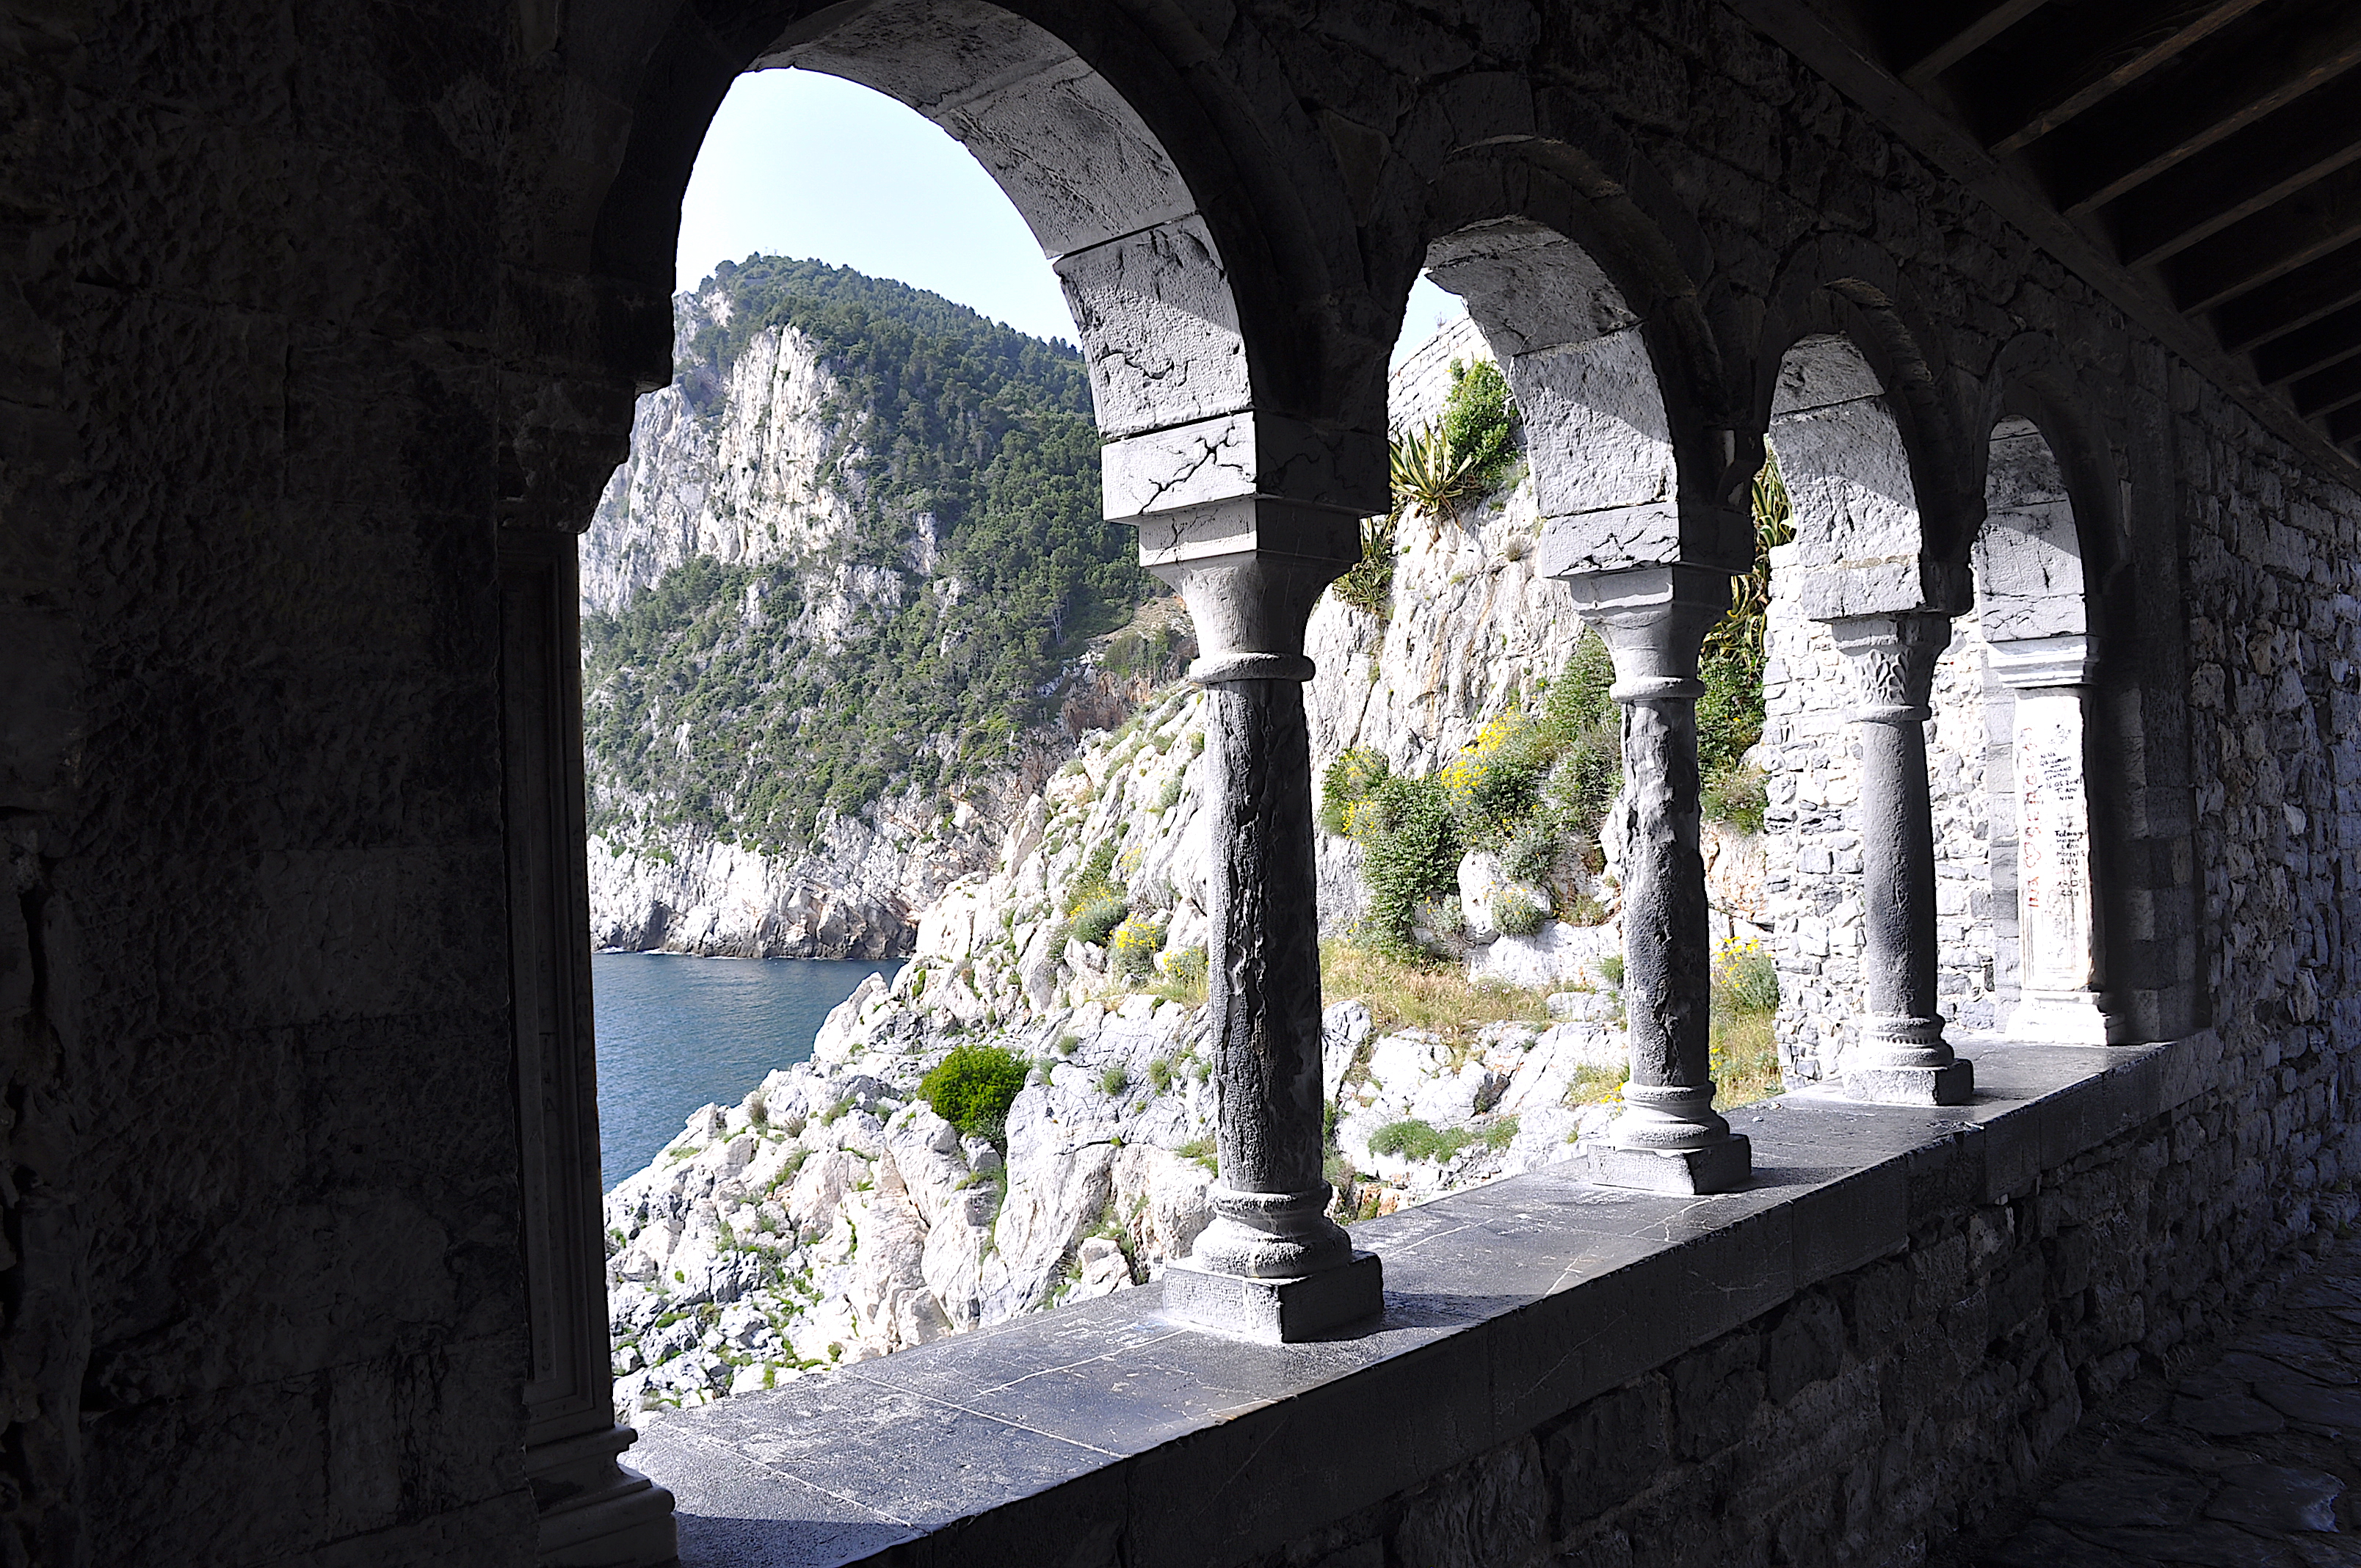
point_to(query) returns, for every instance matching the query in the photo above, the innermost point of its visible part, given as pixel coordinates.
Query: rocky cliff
(846, 602)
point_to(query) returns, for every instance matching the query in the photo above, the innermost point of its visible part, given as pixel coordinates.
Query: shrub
(1502, 1133)
(1159, 1074)
(1096, 921)
(1531, 854)
(1169, 796)
(1068, 1045)
(1114, 1081)
(1187, 964)
(1736, 795)
(1134, 946)
(1610, 970)
(1479, 420)
(1411, 849)
(1519, 913)
(1417, 1140)
(1347, 782)
(1368, 584)
(1093, 882)
(1748, 974)
(972, 1087)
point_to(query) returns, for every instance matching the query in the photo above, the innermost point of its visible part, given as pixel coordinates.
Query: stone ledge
(1105, 1430)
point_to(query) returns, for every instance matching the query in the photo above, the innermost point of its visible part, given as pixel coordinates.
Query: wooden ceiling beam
(2149, 130)
(2329, 390)
(1968, 37)
(2302, 297)
(2344, 426)
(2130, 47)
(2306, 226)
(2326, 341)
(2235, 179)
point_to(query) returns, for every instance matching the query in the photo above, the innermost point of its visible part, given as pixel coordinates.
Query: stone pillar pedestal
(1902, 1057)
(1273, 1265)
(594, 1511)
(1669, 1137)
(2060, 995)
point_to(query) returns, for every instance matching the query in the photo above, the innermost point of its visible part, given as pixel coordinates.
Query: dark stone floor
(2248, 1458)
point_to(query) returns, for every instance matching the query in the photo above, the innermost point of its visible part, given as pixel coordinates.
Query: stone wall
(304, 306)
(1812, 838)
(1871, 1417)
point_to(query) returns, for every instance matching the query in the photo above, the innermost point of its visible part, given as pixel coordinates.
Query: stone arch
(1600, 330)
(2034, 621)
(1875, 931)
(1188, 268)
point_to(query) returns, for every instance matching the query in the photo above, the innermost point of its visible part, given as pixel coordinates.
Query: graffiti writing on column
(2053, 843)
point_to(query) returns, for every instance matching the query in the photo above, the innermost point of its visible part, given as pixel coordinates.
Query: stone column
(594, 1511)
(1669, 1137)
(1902, 1057)
(1273, 1265)
(2060, 978)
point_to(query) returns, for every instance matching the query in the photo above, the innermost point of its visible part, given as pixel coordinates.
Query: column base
(1275, 1312)
(1954, 1084)
(1722, 1166)
(597, 1512)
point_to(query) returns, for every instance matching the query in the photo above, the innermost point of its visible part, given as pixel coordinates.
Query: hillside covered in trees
(876, 515)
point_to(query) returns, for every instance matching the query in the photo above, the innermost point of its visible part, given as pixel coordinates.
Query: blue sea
(675, 1033)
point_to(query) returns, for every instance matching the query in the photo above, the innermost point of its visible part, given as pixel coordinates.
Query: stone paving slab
(2248, 1458)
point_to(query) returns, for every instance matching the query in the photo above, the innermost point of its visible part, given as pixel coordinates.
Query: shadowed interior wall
(301, 306)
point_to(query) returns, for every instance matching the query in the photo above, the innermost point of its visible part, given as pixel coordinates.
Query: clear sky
(805, 165)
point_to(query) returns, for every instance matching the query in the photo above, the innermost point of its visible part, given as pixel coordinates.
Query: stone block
(1952, 1085)
(1276, 1312)
(1723, 1167)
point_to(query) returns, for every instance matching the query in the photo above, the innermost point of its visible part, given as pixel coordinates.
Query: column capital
(1653, 621)
(1893, 659)
(1250, 568)
(2028, 663)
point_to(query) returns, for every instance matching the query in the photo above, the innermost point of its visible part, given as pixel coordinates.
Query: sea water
(675, 1033)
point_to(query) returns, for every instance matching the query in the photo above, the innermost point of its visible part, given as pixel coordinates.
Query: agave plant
(1750, 596)
(1429, 476)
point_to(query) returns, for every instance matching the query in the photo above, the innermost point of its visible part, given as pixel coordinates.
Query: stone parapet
(1804, 1359)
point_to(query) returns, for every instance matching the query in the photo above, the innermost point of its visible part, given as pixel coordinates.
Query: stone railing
(1886, 1332)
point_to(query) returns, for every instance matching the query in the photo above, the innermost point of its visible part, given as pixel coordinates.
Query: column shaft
(594, 1512)
(1263, 987)
(1669, 1137)
(1273, 1265)
(1902, 1055)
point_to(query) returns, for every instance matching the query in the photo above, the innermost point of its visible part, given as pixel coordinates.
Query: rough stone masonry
(320, 330)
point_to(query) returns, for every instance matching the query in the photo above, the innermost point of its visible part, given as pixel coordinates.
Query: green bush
(1736, 795)
(1746, 974)
(1093, 882)
(1519, 913)
(1095, 922)
(1411, 852)
(1347, 782)
(1368, 584)
(1114, 1080)
(972, 1087)
(1479, 420)
(1531, 852)
(1186, 965)
(1610, 970)
(1414, 1139)
(1134, 946)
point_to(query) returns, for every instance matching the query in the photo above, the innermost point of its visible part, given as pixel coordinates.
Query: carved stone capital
(1250, 570)
(1653, 621)
(1893, 659)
